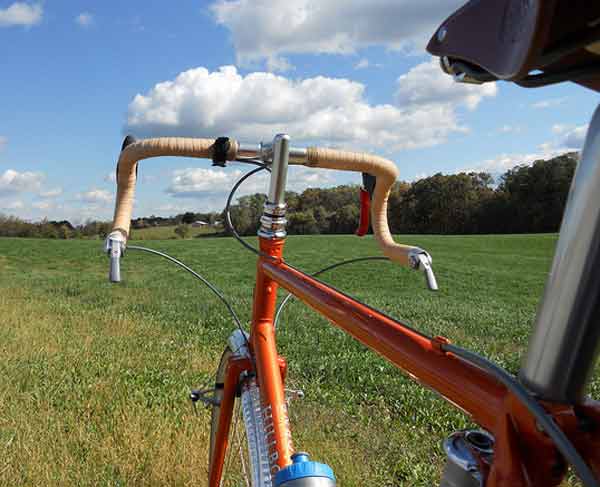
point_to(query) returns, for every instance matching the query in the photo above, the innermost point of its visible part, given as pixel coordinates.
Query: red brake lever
(366, 195)
(365, 210)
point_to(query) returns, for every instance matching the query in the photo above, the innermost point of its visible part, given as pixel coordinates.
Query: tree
(303, 222)
(397, 211)
(245, 215)
(345, 220)
(64, 232)
(188, 217)
(445, 203)
(537, 194)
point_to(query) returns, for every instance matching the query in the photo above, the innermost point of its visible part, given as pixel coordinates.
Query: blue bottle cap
(302, 467)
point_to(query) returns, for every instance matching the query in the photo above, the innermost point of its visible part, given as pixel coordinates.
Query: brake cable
(198, 276)
(563, 444)
(322, 271)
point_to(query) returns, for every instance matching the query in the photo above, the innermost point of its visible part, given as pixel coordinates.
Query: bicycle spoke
(243, 463)
(232, 474)
(242, 449)
(233, 436)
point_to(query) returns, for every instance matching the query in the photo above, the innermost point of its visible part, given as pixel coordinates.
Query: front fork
(240, 366)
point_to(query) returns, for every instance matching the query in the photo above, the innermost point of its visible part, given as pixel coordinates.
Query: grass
(94, 377)
(167, 232)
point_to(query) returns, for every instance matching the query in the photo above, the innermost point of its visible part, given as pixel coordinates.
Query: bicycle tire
(252, 466)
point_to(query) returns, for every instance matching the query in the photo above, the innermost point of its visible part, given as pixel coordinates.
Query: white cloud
(213, 185)
(552, 102)
(51, 193)
(12, 181)
(571, 139)
(147, 178)
(84, 19)
(267, 29)
(56, 210)
(301, 178)
(278, 63)
(12, 205)
(194, 182)
(426, 84)
(503, 162)
(42, 205)
(420, 175)
(575, 137)
(362, 64)
(111, 177)
(3, 141)
(20, 13)
(80, 214)
(96, 196)
(560, 128)
(325, 110)
(509, 129)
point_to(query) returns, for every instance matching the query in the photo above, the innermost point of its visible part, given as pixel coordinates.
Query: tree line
(526, 199)
(11, 226)
(187, 218)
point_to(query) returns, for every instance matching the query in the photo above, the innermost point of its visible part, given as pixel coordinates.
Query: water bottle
(305, 473)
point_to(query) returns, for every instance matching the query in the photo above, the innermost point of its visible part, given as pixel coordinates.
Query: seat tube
(564, 344)
(272, 238)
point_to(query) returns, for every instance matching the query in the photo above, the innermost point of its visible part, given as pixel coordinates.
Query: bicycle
(530, 428)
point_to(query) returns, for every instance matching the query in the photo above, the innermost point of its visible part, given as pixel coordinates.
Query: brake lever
(114, 246)
(421, 261)
(366, 195)
(418, 259)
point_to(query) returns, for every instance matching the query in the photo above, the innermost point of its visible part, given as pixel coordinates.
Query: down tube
(262, 339)
(468, 387)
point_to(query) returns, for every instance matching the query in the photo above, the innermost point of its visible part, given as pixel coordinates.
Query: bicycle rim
(246, 462)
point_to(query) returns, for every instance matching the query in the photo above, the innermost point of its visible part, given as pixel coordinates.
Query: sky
(76, 77)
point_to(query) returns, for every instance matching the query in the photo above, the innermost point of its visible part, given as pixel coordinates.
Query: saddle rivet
(441, 34)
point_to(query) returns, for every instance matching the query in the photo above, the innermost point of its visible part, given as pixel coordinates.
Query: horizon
(495, 183)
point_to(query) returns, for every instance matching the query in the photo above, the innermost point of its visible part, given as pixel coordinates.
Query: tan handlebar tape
(384, 170)
(144, 149)
(386, 173)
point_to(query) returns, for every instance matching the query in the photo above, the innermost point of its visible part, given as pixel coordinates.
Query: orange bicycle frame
(523, 456)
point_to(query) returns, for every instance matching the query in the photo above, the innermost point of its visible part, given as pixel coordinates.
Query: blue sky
(77, 76)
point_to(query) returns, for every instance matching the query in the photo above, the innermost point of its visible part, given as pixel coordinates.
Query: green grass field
(94, 377)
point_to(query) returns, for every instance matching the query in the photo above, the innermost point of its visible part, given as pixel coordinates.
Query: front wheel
(246, 462)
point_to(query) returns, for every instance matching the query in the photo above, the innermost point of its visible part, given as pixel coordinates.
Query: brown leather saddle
(531, 42)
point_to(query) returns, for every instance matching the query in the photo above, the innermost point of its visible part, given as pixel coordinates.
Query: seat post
(564, 343)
